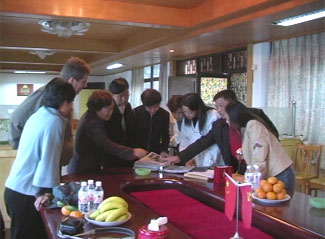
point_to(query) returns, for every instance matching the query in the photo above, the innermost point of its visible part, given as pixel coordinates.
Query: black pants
(26, 222)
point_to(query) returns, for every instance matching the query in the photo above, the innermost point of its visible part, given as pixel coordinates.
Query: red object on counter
(145, 233)
(219, 173)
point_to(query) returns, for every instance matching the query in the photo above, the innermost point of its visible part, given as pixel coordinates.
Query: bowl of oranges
(271, 190)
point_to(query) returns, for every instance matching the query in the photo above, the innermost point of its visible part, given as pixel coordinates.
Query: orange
(65, 211)
(277, 187)
(271, 195)
(280, 182)
(258, 190)
(272, 180)
(261, 194)
(281, 195)
(76, 214)
(267, 187)
(263, 182)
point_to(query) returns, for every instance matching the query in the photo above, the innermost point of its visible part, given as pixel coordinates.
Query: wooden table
(293, 219)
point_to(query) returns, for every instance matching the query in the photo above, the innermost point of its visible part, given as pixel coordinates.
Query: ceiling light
(29, 72)
(42, 54)
(64, 28)
(114, 66)
(301, 18)
(171, 50)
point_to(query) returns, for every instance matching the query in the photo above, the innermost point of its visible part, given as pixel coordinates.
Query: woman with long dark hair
(260, 144)
(197, 122)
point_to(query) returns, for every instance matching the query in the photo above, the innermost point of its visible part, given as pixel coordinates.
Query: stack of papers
(178, 169)
(206, 175)
(151, 160)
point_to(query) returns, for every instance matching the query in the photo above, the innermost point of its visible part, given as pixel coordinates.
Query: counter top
(295, 218)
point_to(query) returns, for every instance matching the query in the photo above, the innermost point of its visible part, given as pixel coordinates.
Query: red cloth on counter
(193, 217)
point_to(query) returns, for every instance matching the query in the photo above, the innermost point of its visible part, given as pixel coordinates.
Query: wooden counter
(293, 219)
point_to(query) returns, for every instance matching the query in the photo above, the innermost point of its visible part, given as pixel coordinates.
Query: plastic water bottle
(98, 194)
(249, 174)
(83, 198)
(257, 175)
(91, 189)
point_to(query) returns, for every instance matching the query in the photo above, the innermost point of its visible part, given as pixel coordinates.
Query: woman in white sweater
(196, 123)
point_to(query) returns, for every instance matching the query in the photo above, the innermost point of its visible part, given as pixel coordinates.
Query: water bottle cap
(90, 181)
(83, 184)
(98, 183)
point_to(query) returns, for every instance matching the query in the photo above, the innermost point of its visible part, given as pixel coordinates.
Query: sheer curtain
(136, 87)
(297, 72)
(163, 83)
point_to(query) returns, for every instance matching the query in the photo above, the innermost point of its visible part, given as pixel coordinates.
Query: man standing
(120, 127)
(75, 71)
(152, 124)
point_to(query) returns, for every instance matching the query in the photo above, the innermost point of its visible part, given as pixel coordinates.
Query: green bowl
(142, 171)
(317, 202)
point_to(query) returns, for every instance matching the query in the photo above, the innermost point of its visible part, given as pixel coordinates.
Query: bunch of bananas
(112, 209)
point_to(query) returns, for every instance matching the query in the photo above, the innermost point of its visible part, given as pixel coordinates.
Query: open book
(151, 160)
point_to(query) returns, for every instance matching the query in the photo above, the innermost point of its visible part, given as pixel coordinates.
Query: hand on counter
(171, 160)
(139, 153)
(43, 200)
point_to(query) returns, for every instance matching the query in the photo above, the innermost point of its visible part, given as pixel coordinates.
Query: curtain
(163, 83)
(297, 73)
(136, 87)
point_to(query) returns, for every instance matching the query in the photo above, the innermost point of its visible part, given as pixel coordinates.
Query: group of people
(111, 134)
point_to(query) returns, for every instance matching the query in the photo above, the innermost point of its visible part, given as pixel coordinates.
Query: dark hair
(75, 68)
(175, 102)
(56, 92)
(118, 85)
(150, 97)
(99, 99)
(228, 95)
(194, 102)
(239, 114)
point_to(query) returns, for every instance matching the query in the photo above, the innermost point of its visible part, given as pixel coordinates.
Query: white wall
(261, 61)
(9, 81)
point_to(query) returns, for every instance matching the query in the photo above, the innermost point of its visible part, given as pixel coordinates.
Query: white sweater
(189, 134)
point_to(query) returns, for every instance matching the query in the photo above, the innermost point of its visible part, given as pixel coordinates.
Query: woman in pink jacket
(260, 145)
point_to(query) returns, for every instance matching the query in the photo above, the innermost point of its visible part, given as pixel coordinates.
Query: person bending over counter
(227, 138)
(92, 145)
(198, 120)
(36, 169)
(260, 144)
(75, 71)
(120, 127)
(174, 104)
(152, 124)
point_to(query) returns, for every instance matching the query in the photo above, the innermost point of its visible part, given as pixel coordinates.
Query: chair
(314, 184)
(304, 158)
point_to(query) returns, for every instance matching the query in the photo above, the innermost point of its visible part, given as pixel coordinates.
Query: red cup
(219, 173)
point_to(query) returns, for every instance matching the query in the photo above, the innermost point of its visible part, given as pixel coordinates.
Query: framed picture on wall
(24, 89)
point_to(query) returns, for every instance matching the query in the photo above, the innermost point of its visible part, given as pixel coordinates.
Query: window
(151, 77)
